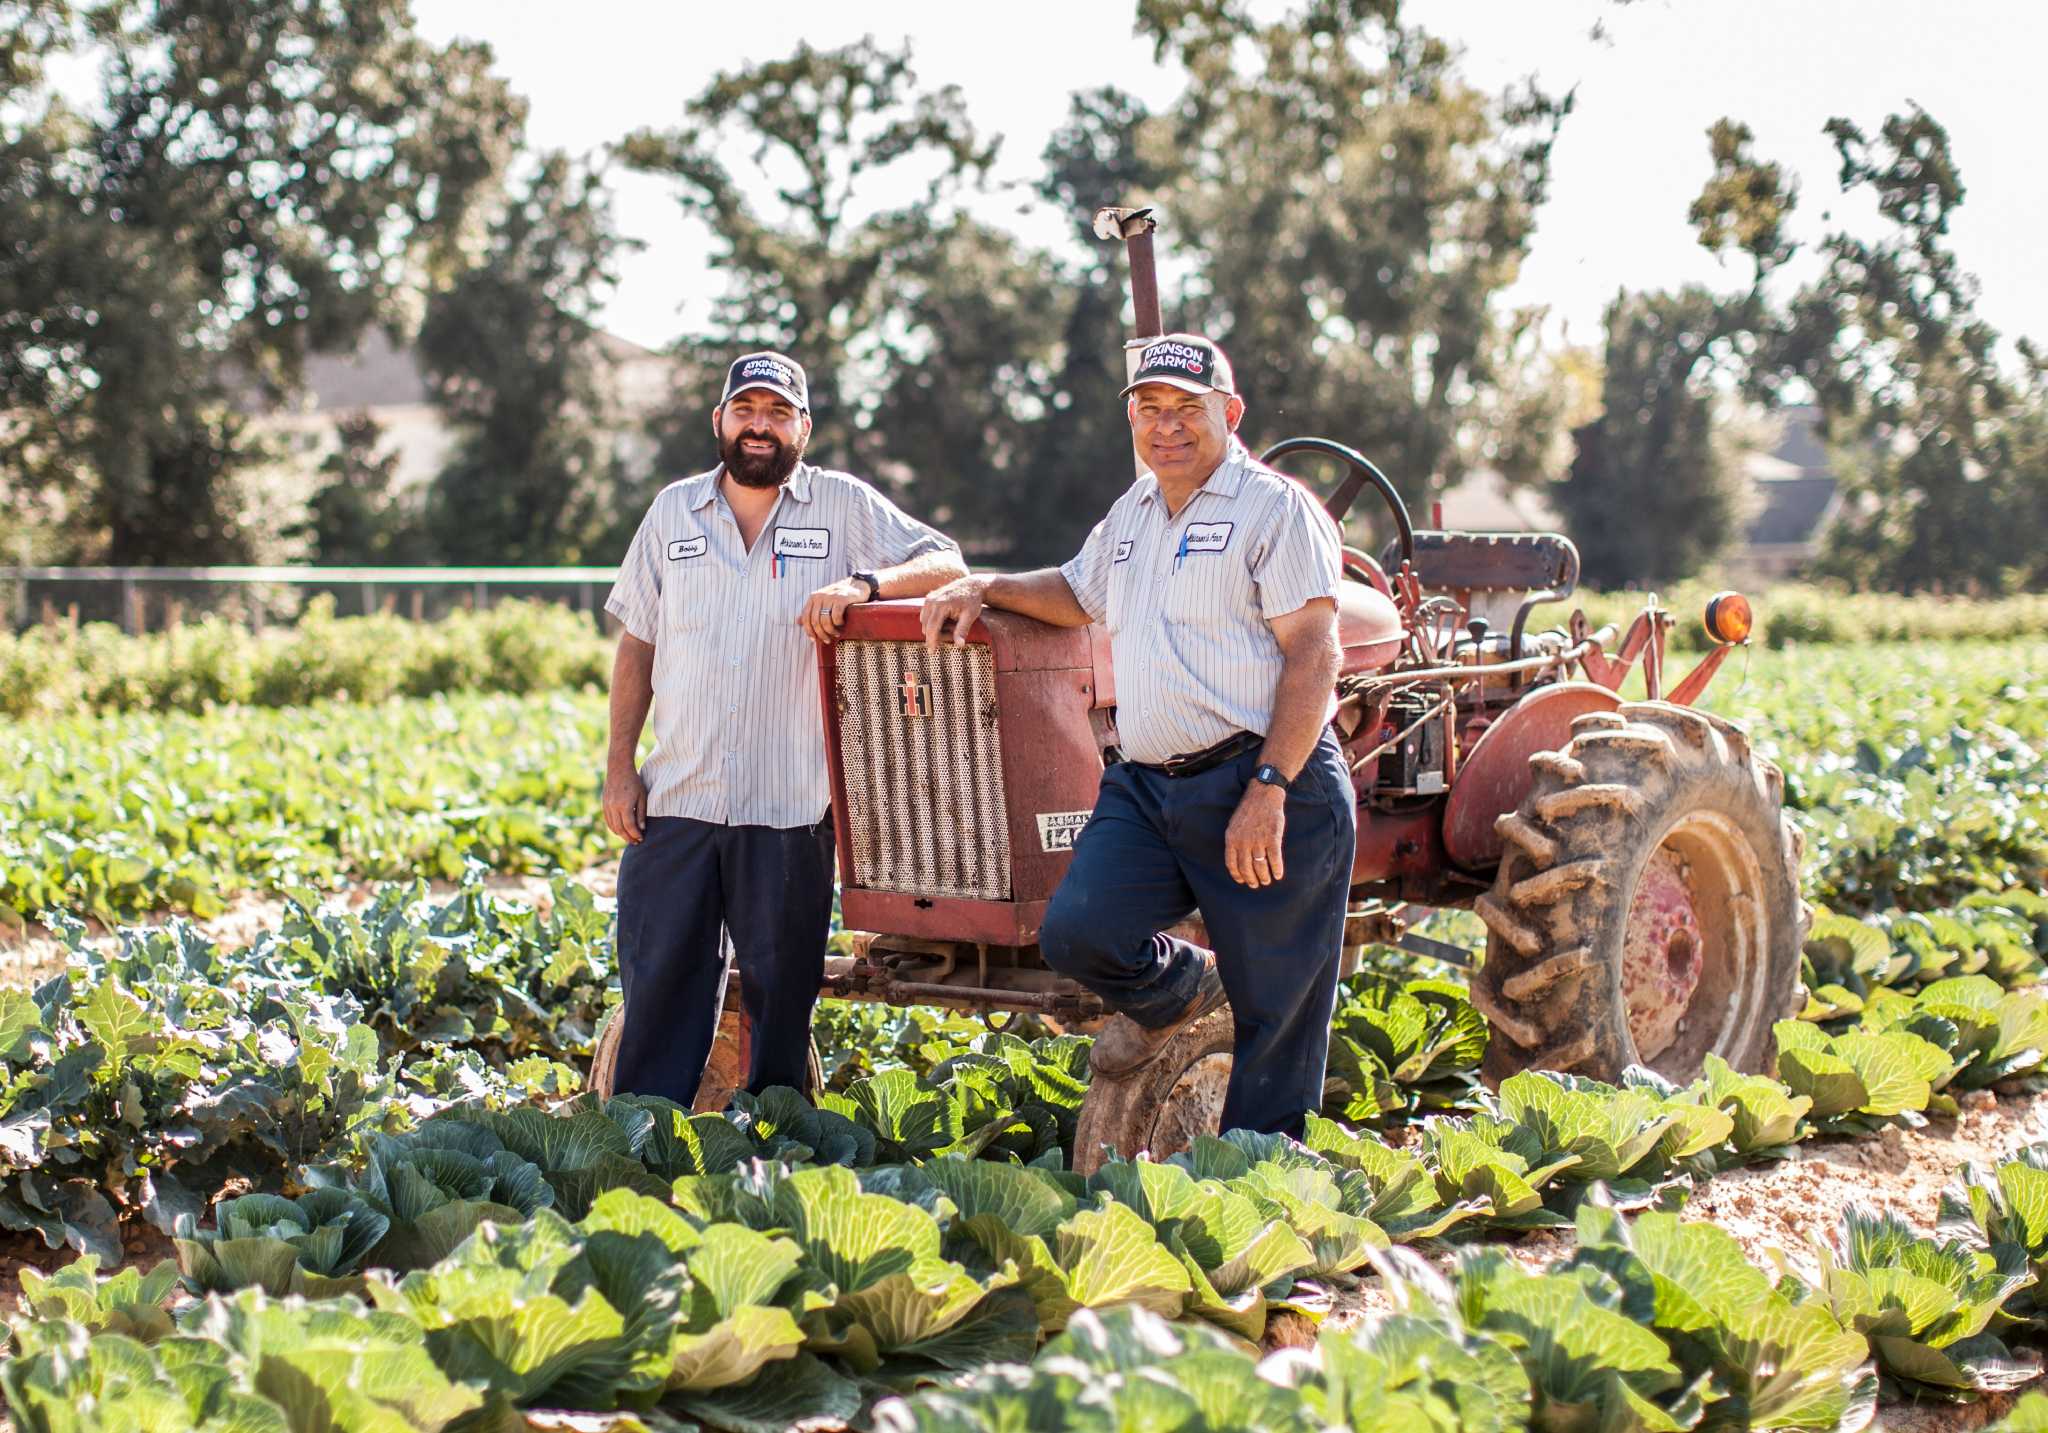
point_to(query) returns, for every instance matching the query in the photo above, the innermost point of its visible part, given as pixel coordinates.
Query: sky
(1626, 167)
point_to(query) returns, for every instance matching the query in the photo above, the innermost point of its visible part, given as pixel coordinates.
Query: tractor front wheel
(724, 1073)
(1163, 1104)
(1646, 910)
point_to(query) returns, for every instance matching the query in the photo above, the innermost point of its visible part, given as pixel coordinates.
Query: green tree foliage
(354, 518)
(1941, 446)
(778, 160)
(514, 361)
(1653, 488)
(252, 181)
(1356, 208)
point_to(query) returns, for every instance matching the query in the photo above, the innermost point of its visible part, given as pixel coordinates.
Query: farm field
(428, 1226)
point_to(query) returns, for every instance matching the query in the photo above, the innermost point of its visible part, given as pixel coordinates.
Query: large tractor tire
(1163, 1104)
(724, 1073)
(1646, 910)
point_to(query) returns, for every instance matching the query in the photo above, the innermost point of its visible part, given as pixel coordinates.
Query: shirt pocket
(695, 589)
(1208, 590)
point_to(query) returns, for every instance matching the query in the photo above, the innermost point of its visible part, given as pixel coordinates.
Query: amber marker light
(1728, 618)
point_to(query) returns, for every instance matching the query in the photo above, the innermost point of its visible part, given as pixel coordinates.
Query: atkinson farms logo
(1187, 359)
(769, 369)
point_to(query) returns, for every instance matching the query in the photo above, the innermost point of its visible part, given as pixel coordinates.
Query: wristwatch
(874, 584)
(1270, 774)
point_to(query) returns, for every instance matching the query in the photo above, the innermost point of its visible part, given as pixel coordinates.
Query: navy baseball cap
(776, 372)
(1186, 360)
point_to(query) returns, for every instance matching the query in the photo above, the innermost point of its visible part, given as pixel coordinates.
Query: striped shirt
(738, 733)
(1186, 598)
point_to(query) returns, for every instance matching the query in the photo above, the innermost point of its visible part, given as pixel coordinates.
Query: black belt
(1194, 763)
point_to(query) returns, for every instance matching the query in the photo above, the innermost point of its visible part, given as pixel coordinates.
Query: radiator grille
(924, 794)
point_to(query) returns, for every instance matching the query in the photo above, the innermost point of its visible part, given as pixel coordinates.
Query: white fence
(140, 598)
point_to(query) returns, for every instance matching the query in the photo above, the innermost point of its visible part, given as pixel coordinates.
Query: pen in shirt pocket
(1180, 552)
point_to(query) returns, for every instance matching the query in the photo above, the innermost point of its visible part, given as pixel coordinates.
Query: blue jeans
(683, 884)
(1152, 855)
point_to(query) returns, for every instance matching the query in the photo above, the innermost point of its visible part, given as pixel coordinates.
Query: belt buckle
(1173, 764)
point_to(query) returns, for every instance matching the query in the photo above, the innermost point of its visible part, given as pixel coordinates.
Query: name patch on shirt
(1123, 551)
(803, 541)
(1207, 537)
(683, 547)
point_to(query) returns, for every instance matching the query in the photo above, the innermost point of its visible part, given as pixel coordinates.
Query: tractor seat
(1500, 576)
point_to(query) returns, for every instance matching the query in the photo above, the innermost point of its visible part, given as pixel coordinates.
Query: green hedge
(516, 646)
(1810, 612)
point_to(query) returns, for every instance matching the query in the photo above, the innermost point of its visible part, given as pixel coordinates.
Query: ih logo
(914, 698)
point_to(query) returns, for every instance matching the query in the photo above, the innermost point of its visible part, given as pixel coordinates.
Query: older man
(1217, 579)
(730, 576)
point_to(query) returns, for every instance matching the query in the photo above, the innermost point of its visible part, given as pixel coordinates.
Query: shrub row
(516, 646)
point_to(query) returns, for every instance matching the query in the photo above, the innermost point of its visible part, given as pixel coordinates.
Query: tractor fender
(1495, 777)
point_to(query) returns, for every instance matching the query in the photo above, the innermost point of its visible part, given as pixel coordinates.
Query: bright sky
(1629, 161)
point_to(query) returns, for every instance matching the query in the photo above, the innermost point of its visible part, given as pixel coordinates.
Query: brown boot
(1124, 1044)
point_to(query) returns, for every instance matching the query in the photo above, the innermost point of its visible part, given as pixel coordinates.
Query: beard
(760, 470)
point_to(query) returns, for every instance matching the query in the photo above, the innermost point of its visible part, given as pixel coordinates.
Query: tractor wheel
(724, 1073)
(1646, 910)
(1163, 1104)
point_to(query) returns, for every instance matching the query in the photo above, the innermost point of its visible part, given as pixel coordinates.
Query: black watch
(1270, 774)
(874, 584)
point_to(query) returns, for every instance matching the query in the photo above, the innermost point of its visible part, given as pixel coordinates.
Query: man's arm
(825, 610)
(1301, 702)
(1043, 594)
(625, 794)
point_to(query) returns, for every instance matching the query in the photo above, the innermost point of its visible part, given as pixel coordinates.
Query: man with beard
(729, 577)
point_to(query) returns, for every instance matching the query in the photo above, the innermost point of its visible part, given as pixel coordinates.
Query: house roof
(1788, 510)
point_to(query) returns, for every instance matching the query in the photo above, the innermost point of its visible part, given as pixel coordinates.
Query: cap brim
(1186, 385)
(776, 388)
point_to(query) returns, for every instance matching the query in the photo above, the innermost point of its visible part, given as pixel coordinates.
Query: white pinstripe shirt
(738, 734)
(1186, 598)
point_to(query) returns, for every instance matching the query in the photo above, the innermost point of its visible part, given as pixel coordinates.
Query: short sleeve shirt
(738, 730)
(1187, 596)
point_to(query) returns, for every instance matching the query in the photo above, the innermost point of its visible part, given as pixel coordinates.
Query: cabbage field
(361, 1143)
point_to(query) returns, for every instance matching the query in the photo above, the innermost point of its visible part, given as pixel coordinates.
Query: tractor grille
(924, 792)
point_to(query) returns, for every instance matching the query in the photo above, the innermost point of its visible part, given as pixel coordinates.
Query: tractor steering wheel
(1362, 472)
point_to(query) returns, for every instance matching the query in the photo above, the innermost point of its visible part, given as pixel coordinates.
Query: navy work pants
(771, 890)
(1152, 855)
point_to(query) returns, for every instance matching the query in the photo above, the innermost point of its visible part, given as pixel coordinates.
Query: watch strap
(1270, 775)
(873, 582)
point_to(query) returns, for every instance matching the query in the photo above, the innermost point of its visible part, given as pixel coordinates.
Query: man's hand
(825, 610)
(625, 805)
(957, 605)
(1251, 847)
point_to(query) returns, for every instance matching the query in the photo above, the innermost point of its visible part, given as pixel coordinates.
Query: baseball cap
(776, 372)
(1186, 360)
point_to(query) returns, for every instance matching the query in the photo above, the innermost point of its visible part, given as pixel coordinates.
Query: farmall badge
(914, 698)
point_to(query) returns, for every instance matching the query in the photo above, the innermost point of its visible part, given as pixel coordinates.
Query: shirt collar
(798, 486)
(1225, 482)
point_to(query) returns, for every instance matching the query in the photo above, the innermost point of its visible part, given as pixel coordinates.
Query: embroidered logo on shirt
(1123, 551)
(803, 541)
(683, 547)
(1207, 537)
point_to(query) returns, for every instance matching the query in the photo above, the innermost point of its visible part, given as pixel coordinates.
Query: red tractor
(1637, 877)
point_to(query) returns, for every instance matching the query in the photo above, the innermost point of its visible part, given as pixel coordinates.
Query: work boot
(1124, 1044)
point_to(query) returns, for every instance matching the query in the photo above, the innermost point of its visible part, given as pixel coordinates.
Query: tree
(810, 270)
(354, 519)
(1937, 442)
(512, 355)
(1653, 491)
(1356, 208)
(254, 181)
